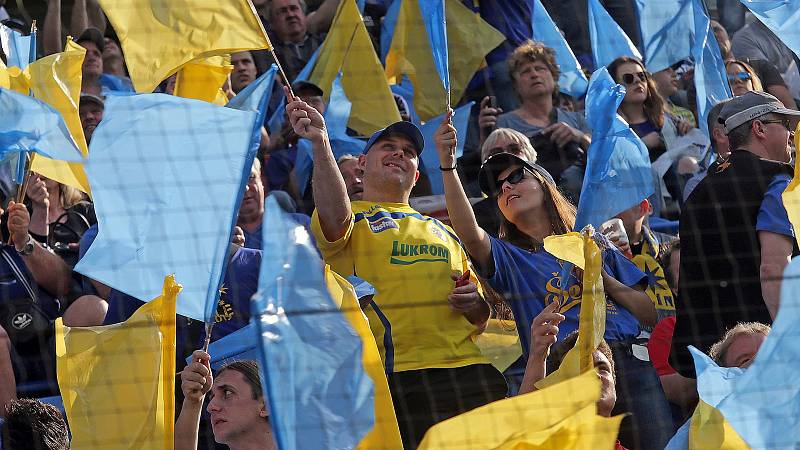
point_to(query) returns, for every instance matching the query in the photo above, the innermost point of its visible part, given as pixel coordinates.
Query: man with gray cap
(423, 282)
(736, 238)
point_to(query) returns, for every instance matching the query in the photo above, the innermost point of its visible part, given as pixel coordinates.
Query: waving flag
(30, 125)
(16, 47)
(781, 16)
(618, 173)
(609, 41)
(202, 79)
(319, 393)
(430, 159)
(433, 14)
(118, 381)
(572, 80)
(160, 36)
(166, 174)
(710, 76)
(791, 195)
(667, 29)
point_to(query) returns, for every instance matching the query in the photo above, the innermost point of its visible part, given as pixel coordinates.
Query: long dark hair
(560, 211)
(654, 106)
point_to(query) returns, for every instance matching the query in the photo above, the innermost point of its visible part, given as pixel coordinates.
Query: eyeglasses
(739, 76)
(630, 78)
(514, 149)
(785, 122)
(513, 178)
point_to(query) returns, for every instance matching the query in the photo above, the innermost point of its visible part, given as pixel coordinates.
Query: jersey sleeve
(772, 215)
(326, 247)
(623, 269)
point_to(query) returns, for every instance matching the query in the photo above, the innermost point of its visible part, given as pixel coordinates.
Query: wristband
(447, 169)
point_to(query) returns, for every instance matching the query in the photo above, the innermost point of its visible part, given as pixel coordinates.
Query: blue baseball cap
(404, 128)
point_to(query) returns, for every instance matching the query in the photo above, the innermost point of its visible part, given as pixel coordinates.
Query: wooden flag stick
(283, 74)
(26, 177)
(209, 327)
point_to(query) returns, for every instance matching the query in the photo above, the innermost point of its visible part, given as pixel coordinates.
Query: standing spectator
(560, 137)
(244, 70)
(31, 424)
(736, 238)
(718, 153)
(426, 311)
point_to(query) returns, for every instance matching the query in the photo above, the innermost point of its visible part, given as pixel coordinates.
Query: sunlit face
(743, 349)
(533, 79)
(634, 78)
(244, 70)
(391, 160)
(523, 197)
(233, 410)
(778, 134)
(253, 200)
(608, 387)
(288, 20)
(740, 79)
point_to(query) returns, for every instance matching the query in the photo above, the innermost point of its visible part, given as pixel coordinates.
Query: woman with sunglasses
(742, 77)
(529, 278)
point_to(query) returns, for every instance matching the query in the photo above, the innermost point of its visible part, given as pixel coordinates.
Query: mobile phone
(463, 280)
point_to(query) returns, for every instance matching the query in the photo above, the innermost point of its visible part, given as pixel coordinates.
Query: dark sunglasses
(741, 76)
(785, 122)
(514, 149)
(513, 178)
(630, 78)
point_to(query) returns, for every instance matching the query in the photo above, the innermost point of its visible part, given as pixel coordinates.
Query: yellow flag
(385, 433)
(791, 196)
(118, 381)
(710, 431)
(160, 36)
(56, 80)
(348, 48)
(592, 322)
(469, 39)
(19, 81)
(561, 417)
(499, 343)
(5, 81)
(202, 79)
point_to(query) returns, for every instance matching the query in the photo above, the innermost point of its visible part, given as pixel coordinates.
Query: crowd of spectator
(698, 263)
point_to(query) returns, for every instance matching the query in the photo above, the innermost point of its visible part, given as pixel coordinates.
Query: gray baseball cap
(746, 107)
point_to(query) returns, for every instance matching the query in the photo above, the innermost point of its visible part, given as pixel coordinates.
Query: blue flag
(667, 28)
(710, 76)
(17, 48)
(436, 25)
(770, 387)
(337, 115)
(430, 156)
(780, 16)
(609, 41)
(388, 24)
(319, 394)
(166, 175)
(572, 80)
(618, 173)
(30, 125)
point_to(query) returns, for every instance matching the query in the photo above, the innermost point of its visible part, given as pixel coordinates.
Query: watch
(27, 249)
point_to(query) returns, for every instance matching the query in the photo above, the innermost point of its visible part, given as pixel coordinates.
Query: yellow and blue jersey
(409, 259)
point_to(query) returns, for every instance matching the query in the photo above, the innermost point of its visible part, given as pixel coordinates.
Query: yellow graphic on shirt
(405, 254)
(572, 296)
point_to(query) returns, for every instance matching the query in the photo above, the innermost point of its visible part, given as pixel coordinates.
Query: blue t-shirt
(530, 280)
(772, 215)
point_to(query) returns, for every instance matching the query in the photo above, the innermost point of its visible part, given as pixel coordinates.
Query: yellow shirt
(408, 258)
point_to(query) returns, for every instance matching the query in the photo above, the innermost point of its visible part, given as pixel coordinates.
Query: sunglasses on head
(514, 177)
(740, 76)
(630, 78)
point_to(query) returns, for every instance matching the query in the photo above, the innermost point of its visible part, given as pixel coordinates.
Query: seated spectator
(742, 77)
(31, 424)
(244, 70)
(560, 137)
(238, 409)
(352, 174)
(667, 85)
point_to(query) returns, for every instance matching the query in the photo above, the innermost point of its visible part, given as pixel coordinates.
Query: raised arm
(330, 193)
(196, 381)
(633, 299)
(475, 240)
(51, 32)
(320, 20)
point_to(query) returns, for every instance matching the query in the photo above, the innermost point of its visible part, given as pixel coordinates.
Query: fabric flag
(581, 250)
(609, 41)
(336, 118)
(5, 80)
(319, 393)
(388, 25)
(618, 173)
(433, 14)
(710, 76)
(667, 29)
(348, 49)
(572, 81)
(56, 80)
(16, 47)
(160, 36)
(468, 36)
(202, 79)
(166, 174)
(30, 125)
(791, 195)
(561, 417)
(118, 381)
(429, 160)
(781, 16)
(237, 346)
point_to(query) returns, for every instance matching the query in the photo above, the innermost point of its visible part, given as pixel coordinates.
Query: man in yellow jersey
(425, 313)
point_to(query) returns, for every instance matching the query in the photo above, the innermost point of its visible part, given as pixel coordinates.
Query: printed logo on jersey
(382, 224)
(407, 254)
(434, 229)
(573, 294)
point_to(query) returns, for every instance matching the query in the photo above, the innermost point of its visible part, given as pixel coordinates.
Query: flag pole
(284, 78)
(25, 164)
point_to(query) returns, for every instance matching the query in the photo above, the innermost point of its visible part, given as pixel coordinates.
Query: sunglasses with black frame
(514, 177)
(628, 78)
